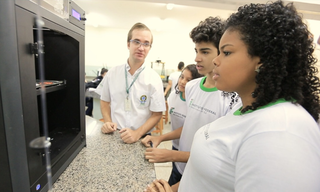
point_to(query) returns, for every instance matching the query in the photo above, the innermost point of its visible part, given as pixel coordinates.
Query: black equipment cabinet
(23, 168)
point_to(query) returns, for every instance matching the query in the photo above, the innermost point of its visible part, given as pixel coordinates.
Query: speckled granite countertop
(106, 164)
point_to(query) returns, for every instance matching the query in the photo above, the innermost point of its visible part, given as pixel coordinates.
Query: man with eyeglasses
(132, 94)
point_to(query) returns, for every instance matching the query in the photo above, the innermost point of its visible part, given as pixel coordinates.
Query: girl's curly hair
(275, 33)
(210, 31)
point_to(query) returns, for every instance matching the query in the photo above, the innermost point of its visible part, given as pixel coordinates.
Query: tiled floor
(163, 170)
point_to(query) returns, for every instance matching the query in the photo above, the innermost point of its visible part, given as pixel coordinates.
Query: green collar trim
(203, 88)
(281, 100)
(182, 97)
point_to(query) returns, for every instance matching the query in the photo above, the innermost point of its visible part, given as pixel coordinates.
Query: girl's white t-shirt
(271, 149)
(177, 111)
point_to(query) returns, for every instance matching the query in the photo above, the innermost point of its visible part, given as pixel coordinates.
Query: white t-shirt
(276, 149)
(177, 111)
(99, 88)
(146, 95)
(174, 77)
(204, 105)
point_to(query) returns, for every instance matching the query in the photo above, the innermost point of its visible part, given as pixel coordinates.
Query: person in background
(132, 94)
(205, 103)
(96, 81)
(173, 79)
(93, 84)
(272, 143)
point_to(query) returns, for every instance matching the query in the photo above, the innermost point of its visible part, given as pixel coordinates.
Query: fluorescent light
(170, 6)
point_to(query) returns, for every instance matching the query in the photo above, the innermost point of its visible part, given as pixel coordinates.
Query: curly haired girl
(272, 143)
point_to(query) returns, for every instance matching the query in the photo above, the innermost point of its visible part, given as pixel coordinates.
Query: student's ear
(258, 65)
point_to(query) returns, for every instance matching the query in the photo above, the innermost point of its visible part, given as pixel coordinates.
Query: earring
(257, 70)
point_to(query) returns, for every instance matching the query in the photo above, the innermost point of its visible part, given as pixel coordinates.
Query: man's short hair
(103, 70)
(181, 65)
(139, 26)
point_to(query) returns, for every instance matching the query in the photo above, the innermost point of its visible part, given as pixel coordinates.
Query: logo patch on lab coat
(143, 99)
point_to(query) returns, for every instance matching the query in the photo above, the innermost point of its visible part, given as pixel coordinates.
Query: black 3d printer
(22, 167)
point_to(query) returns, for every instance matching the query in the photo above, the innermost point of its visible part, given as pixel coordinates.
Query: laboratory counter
(106, 164)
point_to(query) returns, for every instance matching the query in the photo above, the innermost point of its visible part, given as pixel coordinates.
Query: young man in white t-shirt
(173, 79)
(132, 94)
(204, 102)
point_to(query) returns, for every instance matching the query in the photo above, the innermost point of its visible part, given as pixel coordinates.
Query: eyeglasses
(138, 43)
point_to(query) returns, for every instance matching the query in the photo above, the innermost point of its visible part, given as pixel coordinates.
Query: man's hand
(156, 155)
(109, 127)
(128, 135)
(159, 186)
(155, 140)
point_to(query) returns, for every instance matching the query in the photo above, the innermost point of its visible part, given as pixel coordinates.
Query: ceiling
(122, 14)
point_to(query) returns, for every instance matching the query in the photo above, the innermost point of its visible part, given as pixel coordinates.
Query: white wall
(108, 47)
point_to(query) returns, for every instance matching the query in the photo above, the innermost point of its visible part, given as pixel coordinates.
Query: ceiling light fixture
(170, 6)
